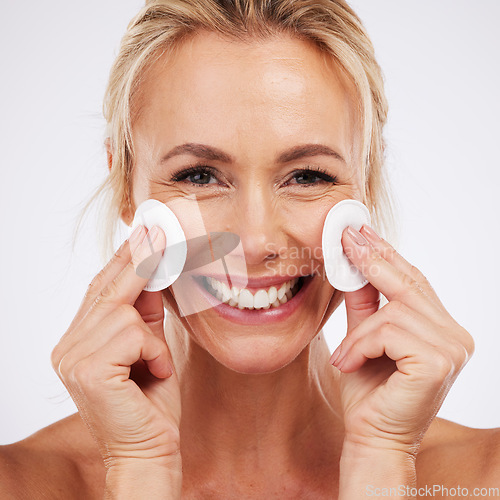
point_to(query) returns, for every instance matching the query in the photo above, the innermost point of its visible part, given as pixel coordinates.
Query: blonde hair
(161, 25)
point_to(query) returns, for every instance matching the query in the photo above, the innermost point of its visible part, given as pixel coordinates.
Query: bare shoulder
(453, 455)
(59, 461)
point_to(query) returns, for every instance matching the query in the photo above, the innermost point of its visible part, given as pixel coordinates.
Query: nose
(259, 223)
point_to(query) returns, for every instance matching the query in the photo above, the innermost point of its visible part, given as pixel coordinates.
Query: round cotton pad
(341, 273)
(155, 213)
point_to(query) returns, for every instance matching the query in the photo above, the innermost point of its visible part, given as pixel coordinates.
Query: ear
(126, 215)
(109, 151)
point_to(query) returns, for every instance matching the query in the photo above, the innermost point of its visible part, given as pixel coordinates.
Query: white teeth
(245, 299)
(226, 293)
(261, 299)
(235, 292)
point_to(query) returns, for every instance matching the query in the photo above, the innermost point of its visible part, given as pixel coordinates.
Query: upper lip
(257, 282)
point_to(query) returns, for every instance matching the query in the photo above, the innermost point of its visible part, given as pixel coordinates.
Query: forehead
(216, 90)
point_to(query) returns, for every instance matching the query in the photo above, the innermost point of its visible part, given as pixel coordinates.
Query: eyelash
(183, 174)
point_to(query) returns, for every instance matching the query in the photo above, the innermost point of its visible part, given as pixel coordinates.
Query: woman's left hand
(397, 362)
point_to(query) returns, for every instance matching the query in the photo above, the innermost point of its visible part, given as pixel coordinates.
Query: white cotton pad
(155, 213)
(341, 273)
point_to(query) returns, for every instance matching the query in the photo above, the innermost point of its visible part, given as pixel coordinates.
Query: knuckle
(410, 286)
(129, 313)
(461, 355)
(467, 341)
(82, 374)
(56, 356)
(417, 275)
(442, 366)
(134, 262)
(372, 265)
(108, 292)
(385, 330)
(388, 252)
(134, 334)
(96, 284)
(375, 256)
(65, 367)
(395, 308)
(470, 345)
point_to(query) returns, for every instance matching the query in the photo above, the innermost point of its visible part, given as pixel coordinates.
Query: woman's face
(256, 108)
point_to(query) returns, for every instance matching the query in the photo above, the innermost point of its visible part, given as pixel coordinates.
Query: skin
(266, 408)
(279, 103)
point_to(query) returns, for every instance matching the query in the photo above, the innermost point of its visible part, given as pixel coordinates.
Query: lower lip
(257, 316)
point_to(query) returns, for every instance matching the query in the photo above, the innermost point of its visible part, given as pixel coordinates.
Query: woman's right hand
(116, 365)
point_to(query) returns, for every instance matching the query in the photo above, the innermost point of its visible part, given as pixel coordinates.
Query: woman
(262, 115)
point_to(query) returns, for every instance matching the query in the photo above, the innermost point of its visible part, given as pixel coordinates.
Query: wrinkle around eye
(172, 189)
(306, 195)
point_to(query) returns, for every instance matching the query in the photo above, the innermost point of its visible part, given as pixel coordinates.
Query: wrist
(371, 471)
(357, 449)
(144, 478)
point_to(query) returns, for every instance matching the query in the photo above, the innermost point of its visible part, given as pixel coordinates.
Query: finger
(109, 300)
(392, 282)
(360, 305)
(114, 359)
(150, 307)
(87, 339)
(127, 286)
(135, 344)
(398, 314)
(413, 356)
(108, 273)
(388, 252)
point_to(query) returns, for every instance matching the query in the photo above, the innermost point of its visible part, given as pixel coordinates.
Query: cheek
(305, 226)
(307, 234)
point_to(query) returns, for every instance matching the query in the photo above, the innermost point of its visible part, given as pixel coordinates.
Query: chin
(253, 355)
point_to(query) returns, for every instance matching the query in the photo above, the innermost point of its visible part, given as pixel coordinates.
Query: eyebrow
(214, 154)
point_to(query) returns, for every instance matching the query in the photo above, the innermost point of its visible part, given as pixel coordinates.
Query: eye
(199, 175)
(312, 176)
(203, 175)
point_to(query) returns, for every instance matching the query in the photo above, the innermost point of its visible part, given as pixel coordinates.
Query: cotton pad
(155, 213)
(341, 273)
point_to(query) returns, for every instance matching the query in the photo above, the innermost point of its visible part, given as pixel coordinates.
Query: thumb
(150, 307)
(361, 304)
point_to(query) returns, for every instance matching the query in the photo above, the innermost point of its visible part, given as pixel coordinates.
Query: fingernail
(341, 363)
(136, 237)
(371, 233)
(170, 367)
(335, 354)
(148, 246)
(358, 238)
(153, 233)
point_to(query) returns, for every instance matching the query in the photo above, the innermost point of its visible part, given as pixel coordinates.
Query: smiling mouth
(243, 298)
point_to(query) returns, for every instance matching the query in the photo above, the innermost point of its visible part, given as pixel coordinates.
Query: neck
(256, 425)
